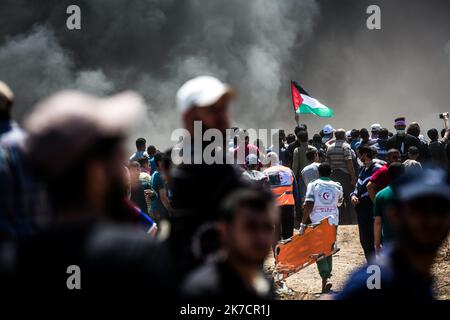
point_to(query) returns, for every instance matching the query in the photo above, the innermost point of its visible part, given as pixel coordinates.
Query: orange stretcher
(293, 254)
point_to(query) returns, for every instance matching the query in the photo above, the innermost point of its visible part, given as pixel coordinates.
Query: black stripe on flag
(300, 89)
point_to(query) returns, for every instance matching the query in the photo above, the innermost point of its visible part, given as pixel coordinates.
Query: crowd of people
(70, 195)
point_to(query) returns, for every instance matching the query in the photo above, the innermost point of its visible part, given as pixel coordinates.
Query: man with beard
(75, 145)
(247, 231)
(420, 217)
(199, 188)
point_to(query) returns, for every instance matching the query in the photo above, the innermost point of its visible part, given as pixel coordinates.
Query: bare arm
(447, 131)
(372, 190)
(377, 224)
(309, 205)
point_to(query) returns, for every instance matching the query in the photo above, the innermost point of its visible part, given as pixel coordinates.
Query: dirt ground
(306, 284)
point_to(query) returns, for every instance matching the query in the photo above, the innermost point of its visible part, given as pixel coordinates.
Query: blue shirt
(152, 164)
(157, 208)
(364, 178)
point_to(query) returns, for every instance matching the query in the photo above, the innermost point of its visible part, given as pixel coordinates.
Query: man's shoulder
(202, 282)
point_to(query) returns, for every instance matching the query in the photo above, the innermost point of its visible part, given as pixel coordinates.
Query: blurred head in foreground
(249, 217)
(205, 99)
(75, 147)
(421, 214)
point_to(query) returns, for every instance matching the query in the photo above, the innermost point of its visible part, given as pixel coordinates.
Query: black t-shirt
(198, 191)
(402, 144)
(219, 282)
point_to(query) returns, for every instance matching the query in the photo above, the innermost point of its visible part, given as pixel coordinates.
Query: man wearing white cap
(374, 129)
(327, 133)
(284, 188)
(199, 188)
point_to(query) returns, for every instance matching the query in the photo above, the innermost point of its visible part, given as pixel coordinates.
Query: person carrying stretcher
(323, 197)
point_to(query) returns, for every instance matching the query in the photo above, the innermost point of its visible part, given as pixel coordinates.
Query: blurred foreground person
(420, 217)
(199, 188)
(75, 141)
(10, 132)
(322, 200)
(247, 232)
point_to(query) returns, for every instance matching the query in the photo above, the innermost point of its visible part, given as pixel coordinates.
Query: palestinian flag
(304, 103)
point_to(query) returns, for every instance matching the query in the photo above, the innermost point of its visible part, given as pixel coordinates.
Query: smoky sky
(257, 46)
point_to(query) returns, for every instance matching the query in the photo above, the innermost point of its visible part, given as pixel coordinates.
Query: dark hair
(303, 136)
(324, 169)
(311, 154)
(255, 197)
(76, 173)
(158, 158)
(140, 143)
(290, 138)
(143, 160)
(396, 170)
(167, 159)
(383, 133)
(433, 134)
(443, 132)
(151, 149)
(364, 133)
(391, 151)
(413, 150)
(317, 138)
(339, 134)
(413, 129)
(366, 150)
(354, 133)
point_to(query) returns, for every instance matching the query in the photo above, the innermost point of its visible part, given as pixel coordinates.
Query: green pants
(325, 267)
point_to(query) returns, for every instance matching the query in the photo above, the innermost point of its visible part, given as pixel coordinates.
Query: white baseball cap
(375, 127)
(273, 158)
(328, 129)
(201, 91)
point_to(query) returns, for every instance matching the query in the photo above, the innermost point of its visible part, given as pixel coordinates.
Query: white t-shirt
(327, 196)
(310, 173)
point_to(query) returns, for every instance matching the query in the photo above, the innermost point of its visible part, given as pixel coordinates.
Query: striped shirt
(337, 154)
